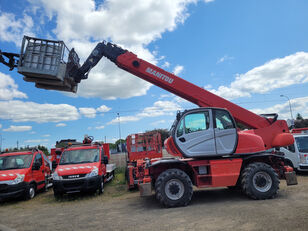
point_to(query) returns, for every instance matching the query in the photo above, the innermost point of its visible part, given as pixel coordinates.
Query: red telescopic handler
(209, 149)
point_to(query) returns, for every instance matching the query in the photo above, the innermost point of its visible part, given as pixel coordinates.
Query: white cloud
(158, 122)
(277, 73)
(0, 126)
(14, 128)
(99, 127)
(178, 69)
(32, 132)
(298, 105)
(88, 112)
(159, 108)
(61, 125)
(207, 1)
(224, 58)
(103, 108)
(166, 64)
(8, 88)
(36, 141)
(13, 30)
(132, 26)
(20, 111)
(46, 135)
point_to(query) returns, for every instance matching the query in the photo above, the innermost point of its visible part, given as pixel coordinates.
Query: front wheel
(30, 192)
(259, 181)
(173, 188)
(101, 187)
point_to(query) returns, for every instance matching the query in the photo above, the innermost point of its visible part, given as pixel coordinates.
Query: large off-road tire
(259, 181)
(173, 188)
(30, 192)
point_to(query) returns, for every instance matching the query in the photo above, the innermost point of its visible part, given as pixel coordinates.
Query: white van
(297, 154)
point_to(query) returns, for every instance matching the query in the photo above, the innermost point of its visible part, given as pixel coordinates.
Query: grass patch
(119, 177)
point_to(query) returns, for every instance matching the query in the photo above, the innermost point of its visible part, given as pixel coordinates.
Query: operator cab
(204, 132)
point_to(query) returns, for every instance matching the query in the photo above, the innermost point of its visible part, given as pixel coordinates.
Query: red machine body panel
(144, 145)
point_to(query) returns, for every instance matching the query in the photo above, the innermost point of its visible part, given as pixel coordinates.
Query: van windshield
(15, 162)
(302, 143)
(79, 156)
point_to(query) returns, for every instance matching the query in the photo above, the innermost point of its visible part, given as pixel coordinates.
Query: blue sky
(249, 52)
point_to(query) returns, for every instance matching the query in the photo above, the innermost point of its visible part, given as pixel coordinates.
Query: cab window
(38, 159)
(223, 120)
(196, 122)
(180, 130)
(291, 148)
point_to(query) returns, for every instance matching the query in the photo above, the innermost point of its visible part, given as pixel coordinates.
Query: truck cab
(22, 174)
(297, 154)
(83, 168)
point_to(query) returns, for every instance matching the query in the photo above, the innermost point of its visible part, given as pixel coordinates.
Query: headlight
(93, 173)
(55, 176)
(20, 178)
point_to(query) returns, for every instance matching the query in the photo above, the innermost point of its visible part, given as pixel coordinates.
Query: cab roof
(16, 153)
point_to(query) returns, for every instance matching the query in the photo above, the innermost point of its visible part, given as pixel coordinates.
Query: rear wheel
(259, 181)
(173, 188)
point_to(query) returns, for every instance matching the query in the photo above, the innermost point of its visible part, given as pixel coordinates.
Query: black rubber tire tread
(247, 184)
(163, 178)
(27, 195)
(100, 189)
(57, 194)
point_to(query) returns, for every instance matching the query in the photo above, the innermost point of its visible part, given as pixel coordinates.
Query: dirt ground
(118, 209)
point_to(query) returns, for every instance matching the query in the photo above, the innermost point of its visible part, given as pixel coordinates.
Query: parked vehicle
(141, 146)
(297, 154)
(83, 168)
(23, 173)
(212, 150)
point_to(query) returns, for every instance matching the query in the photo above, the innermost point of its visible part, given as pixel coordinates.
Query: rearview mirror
(36, 166)
(54, 164)
(104, 160)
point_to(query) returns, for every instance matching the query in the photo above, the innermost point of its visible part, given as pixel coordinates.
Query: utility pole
(0, 142)
(289, 105)
(17, 144)
(120, 131)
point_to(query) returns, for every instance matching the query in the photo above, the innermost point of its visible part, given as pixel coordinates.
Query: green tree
(43, 149)
(299, 117)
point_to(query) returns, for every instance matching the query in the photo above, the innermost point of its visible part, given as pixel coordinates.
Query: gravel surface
(118, 209)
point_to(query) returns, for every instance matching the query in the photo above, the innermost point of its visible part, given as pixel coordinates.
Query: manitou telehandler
(213, 151)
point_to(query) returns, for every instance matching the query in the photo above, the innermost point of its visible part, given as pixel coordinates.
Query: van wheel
(101, 187)
(173, 188)
(259, 181)
(30, 193)
(57, 195)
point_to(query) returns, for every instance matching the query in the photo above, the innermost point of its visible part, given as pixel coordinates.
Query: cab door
(195, 135)
(225, 132)
(39, 172)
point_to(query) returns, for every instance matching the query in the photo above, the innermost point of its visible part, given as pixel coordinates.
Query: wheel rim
(262, 181)
(31, 192)
(174, 189)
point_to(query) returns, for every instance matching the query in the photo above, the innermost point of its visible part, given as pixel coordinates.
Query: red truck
(55, 153)
(141, 146)
(213, 151)
(83, 168)
(23, 173)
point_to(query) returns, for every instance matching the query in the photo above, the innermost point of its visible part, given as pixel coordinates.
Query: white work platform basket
(47, 64)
